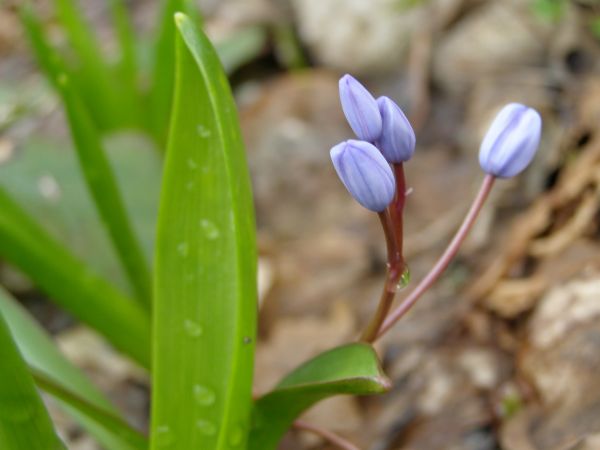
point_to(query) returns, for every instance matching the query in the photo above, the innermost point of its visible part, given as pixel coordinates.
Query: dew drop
(203, 395)
(247, 340)
(236, 437)
(49, 188)
(206, 427)
(210, 229)
(192, 329)
(183, 249)
(163, 436)
(404, 279)
(203, 132)
(193, 165)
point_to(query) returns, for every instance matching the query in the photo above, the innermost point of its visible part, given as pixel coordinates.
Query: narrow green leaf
(71, 284)
(24, 421)
(94, 70)
(128, 68)
(47, 58)
(205, 280)
(351, 369)
(111, 103)
(46, 182)
(163, 61)
(105, 192)
(40, 353)
(241, 47)
(110, 423)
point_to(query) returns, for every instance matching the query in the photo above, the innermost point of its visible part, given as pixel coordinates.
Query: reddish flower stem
(443, 261)
(393, 274)
(397, 209)
(326, 434)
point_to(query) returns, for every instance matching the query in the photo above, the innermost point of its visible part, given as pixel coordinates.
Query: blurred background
(504, 351)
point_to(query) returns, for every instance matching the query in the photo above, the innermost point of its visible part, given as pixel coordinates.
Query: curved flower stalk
(507, 149)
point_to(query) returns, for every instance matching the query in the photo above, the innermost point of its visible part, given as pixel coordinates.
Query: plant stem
(443, 261)
(393, 274)
(326, 434)
(397, 209)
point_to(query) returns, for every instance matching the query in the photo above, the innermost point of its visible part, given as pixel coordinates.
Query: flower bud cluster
(386, 137)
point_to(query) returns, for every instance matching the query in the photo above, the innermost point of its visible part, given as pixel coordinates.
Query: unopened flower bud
(360, 109)
(511, 142)
(365, 173)
(397, 140)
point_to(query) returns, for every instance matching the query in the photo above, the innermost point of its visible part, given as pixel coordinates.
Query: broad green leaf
(71, 284)
(24, 421)
(163, 61)
(44, 178)
(205, 277)
(42, 355)
(105, 192)
(351, 369)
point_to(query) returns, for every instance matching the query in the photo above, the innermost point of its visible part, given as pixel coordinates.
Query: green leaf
(45, 180)
(47, 58)
(122, 434)
(111, 103)
(351, 369)
(105, 192)
(40, 353)
(128, 67)
(241, 47)
(24, 421)
(163, 61)
(71, 284)
(103, 92)
(205, 278)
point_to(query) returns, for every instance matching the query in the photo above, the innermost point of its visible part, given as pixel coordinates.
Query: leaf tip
(180, 19)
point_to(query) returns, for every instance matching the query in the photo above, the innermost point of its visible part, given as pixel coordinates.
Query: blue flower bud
(365, 173)
(360, 109)
(397, 140)
(511, 142)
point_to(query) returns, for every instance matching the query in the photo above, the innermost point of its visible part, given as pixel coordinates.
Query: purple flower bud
(360, 109)
(397, 140)
(365, 173)
(511, 142)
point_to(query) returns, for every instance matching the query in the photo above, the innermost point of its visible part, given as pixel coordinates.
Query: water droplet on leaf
(164, 436)
(203, 395)
(236, 438)
(183, 249)
(206, 427)
(210, 229)
(203, 132)
(192, 329)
